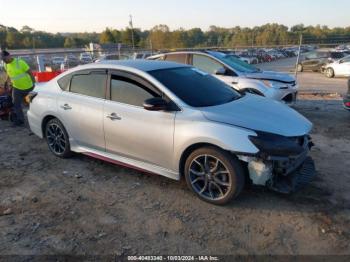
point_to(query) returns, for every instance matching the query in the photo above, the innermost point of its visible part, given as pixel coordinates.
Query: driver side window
(206, 64)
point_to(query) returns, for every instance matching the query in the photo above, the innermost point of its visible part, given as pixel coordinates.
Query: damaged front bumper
(285, 174)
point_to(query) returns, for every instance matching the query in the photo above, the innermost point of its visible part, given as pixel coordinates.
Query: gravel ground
(84, 206)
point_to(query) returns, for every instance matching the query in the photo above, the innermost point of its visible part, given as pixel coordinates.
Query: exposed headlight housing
(276, 145)
(267, 83)
(274, 84)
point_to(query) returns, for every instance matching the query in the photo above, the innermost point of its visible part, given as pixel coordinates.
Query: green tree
(107, 37)
(70, 42)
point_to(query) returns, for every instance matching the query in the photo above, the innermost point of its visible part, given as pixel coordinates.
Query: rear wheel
(57, 139)
(214, 175)
(330, 72)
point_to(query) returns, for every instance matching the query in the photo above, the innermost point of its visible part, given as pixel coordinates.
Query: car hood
(260, 114)
(270, 75)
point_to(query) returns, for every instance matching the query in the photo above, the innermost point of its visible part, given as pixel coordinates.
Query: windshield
(236, 63)
(194, 87)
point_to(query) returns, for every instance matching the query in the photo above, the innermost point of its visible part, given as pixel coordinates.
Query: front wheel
(330, 72)
(57, 139)
(214, 175)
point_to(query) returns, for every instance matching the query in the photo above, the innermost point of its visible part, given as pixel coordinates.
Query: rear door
(130, 130)
(80, 108)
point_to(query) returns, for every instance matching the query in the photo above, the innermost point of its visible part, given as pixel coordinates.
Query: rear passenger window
(93, 84)
(64, 82)
(127, 91)
(178, 58)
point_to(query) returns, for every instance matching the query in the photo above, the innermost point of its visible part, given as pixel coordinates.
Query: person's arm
(25, 67)
(7, 81)
(29, 72)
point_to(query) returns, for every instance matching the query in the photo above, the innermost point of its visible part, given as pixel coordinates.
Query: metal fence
(62, 58)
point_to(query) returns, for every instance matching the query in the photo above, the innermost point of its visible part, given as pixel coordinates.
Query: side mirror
(221, 71)
(155, 104)
(341, 61)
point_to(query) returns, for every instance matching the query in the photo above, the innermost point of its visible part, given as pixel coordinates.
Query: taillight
(347, 104)
(31, 96)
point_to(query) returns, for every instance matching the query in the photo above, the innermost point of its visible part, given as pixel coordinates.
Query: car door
(130, 130)
(343, 67)
(211, 66)
(80, 108)
(311, 61)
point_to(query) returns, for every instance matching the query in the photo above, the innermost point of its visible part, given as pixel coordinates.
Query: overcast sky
(89, 15)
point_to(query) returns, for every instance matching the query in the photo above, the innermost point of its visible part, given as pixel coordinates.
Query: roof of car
(143, 65)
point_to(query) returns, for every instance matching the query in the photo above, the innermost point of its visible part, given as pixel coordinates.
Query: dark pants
(17, 98)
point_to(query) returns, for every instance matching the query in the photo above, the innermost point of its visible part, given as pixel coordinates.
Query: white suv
(238, 74)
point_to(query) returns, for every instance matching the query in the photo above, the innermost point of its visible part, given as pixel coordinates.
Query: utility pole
(132, 33)
(298, 59)
(151, 45)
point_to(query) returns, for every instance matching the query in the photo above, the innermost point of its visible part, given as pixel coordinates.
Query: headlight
(274, 84)
(267, 83)
(276, 145)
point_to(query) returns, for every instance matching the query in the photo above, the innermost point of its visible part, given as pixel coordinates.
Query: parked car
(240, 75)
(114, 56)
(314, 61)
(176, 121)
(85, 58)
(339, 67)
(141, 55)
(71, 60)
(44, 60)
(57, 61)
(347, 98)
(247, 59)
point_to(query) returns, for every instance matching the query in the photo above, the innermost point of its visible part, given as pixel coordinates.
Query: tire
(57, 139)
(219, 181)
(300, 68)
(329, 72)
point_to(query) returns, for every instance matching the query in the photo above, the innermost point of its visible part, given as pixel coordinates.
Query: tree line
(161, 37)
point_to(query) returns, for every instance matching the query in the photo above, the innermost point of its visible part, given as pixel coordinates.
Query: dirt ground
(83, 206)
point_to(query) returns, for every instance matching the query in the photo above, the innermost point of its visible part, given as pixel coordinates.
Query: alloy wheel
(330, 72)
(209, 177)
(56, 138)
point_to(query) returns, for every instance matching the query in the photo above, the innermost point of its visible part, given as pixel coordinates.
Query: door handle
(114, 116)
(66, 107)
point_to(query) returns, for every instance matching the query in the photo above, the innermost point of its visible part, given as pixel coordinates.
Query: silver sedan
(176, 121)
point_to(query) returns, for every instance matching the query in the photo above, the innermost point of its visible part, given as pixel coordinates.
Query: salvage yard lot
(85, 206)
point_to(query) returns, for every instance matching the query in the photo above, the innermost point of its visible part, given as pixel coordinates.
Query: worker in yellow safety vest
(22, 81)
